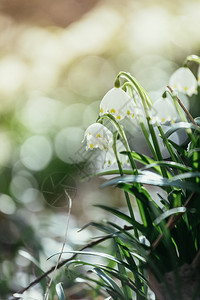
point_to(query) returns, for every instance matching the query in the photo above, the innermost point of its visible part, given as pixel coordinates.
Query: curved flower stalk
(119, 104)
(183, 80)
(129, 111)
(163, 114)
(98, 136)
(110, 158)
(147, 103)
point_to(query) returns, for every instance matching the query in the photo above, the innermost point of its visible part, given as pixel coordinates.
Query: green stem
(146, 101)
(138, 87)
(128, 201)
(143, 96)
(122, 270)
(124, 139)
(146, 135)
(156, 146)
(167, 144)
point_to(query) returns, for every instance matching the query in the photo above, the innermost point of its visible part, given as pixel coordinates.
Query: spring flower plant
(159, 252)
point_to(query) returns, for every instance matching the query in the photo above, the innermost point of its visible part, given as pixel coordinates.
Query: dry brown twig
(183, 107)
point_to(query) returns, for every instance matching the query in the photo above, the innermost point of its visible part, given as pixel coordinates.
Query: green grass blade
(180, 125)
(124, 217)
(60, 291)
(154, 179)
(169, 164)
(108, 280)
(168, 213)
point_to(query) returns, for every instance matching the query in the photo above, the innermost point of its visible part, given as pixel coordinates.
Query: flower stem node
(117, 103)
(98, 136)
(183, 80)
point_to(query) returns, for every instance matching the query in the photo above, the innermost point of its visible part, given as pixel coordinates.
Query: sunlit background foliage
(57, 60)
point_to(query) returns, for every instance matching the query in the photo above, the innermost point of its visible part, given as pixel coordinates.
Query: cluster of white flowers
(121, 105)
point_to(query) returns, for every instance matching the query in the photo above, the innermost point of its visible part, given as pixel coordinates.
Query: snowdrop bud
(183, 80)
(118, 103)
(163, 111)
(110, 158)
(98, 136)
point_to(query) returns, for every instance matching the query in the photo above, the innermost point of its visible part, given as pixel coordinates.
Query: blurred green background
(57, 60)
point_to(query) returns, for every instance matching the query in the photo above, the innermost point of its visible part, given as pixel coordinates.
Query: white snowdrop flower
(98, 136)
(118, 103)
(110, 158)
(183, 80)
(163, 111)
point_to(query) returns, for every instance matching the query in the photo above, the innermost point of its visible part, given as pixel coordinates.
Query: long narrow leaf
(107, 279)
(123, 216)
(168, 213)
(122, 270)
(180, 125)
(60, 292)
(100, 254)
(108, 172)
(144, 159)
(111, 271)
(154, 179)
(169, 164)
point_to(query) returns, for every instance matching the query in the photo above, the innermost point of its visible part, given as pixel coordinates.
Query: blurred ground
(57, 60)
(47, 12)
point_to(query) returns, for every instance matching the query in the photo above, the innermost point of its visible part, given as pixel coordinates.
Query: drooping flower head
(183, 80)
(118, 103)
(163, 111)
(98, 136)
(110, 158)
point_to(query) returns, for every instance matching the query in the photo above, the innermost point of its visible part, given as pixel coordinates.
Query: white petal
(118, 103)
(98, 136)
(183, 80)
(110, 158)
(163, 110)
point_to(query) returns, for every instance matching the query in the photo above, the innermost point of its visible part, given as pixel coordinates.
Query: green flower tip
(164, 95)
(117, 83)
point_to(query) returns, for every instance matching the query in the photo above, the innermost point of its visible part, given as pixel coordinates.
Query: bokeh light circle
(68, 145)
(36, 153)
